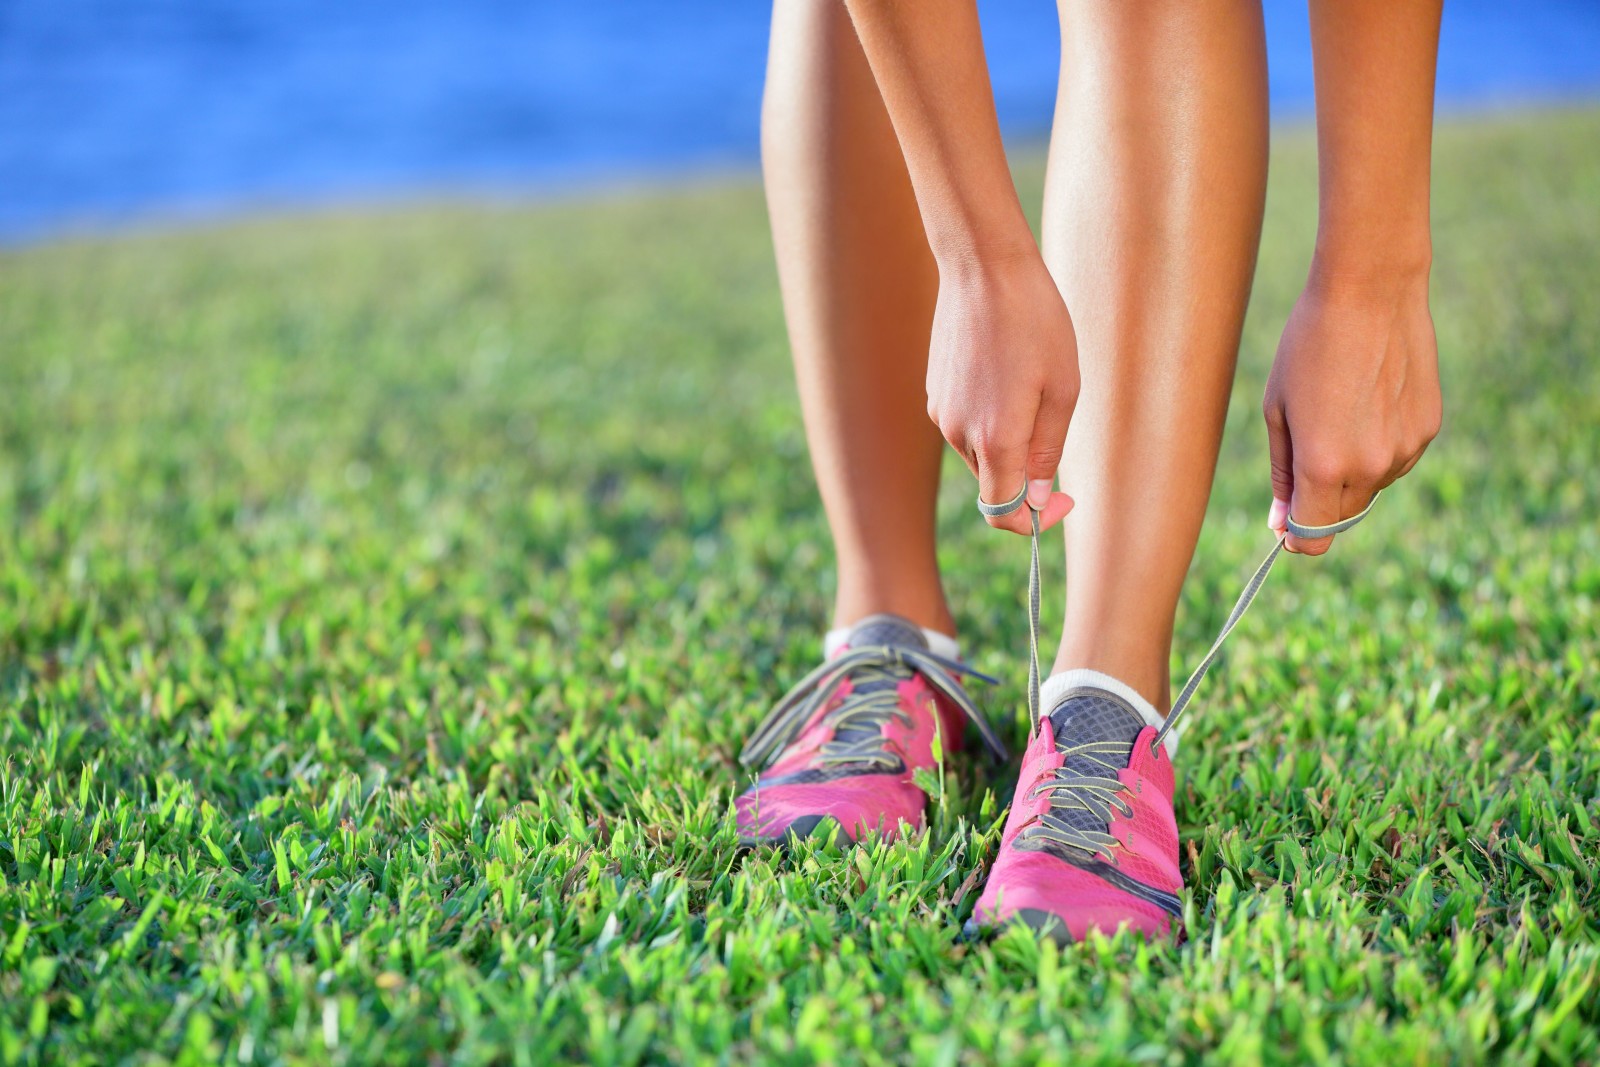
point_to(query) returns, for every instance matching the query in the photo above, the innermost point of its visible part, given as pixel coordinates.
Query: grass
(383, 597)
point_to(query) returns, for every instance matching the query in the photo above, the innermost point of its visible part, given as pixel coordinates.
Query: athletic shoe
(1091, 842)
(846, 742)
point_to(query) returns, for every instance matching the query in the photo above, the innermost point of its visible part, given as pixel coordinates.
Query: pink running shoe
(845, 743)
(1091, 843)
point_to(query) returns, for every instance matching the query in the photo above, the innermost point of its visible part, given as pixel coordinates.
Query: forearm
(927, 57)
(1375, 62)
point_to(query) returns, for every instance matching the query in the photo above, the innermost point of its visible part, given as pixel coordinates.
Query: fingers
(1049, 437)
(1006, 461)
(1044, 456)
(1321, 486)
(1056, 507)
(1281, 454)
(1001, 469)
(1315, 501)
(1405, 468)
(1324, 495)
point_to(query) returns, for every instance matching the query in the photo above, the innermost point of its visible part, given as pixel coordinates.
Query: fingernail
(1278, 516)
(1039, 493)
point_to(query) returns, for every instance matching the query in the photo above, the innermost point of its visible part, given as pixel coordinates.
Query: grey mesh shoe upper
(886, 629)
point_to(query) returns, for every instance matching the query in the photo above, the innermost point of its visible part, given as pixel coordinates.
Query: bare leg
(859, 286)
(1152, 215)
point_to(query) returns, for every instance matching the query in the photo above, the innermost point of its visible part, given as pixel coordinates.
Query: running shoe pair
(1091, 841)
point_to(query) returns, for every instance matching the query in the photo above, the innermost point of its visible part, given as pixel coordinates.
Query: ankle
(1144, 676)
(929, 611)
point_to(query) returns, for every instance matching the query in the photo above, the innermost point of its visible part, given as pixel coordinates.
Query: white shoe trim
(1057, 686)
(942, 645)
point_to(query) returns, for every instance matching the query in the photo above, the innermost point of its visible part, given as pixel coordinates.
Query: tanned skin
(920, 306)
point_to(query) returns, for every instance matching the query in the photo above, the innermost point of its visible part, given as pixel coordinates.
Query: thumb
(1045, 447)
(1280, 451)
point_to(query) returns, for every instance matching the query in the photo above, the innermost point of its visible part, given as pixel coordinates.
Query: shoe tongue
(872, 632)
(1093, 716)
(886, 630)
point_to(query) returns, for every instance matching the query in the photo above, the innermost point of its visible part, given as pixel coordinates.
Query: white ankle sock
(1059, 685)
(939, 644)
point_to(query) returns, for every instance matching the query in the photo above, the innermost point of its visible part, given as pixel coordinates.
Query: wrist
(1384, 243)
(978, 236)
(1376, 266)
(969, 259)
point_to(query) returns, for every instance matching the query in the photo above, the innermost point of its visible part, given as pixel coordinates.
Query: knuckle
(1045, 457)
(1374, 465)
(989, 434)
(1323, 470)
(992, 444)
(1433, 421)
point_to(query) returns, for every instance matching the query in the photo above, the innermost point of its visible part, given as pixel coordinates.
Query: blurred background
(384, 593)
(133, 111)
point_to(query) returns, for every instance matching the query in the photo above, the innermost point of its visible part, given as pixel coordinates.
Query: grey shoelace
(875, 704)
(865, 710)
(1186, 694)
(1094, 793)
(1100, 795)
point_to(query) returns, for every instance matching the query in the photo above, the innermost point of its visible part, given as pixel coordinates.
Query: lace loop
(998, 511)
(1069, 791)
(1246, 598)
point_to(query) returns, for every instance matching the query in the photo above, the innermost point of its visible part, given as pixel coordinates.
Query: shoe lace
(1071, 790)
(874, 672)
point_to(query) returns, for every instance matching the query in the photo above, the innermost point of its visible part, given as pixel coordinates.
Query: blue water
(114, 111)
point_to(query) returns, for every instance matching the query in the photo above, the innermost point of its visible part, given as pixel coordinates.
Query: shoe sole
(1043, 924)
(807, 827)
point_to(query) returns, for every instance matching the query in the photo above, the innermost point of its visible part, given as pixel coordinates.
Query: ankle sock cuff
(939, 644)
(1059, 685)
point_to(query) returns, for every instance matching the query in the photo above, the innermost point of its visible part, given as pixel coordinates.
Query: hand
(1352, 402)
(1003, 379)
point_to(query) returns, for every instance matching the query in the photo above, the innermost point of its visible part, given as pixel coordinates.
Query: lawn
(383, 597)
